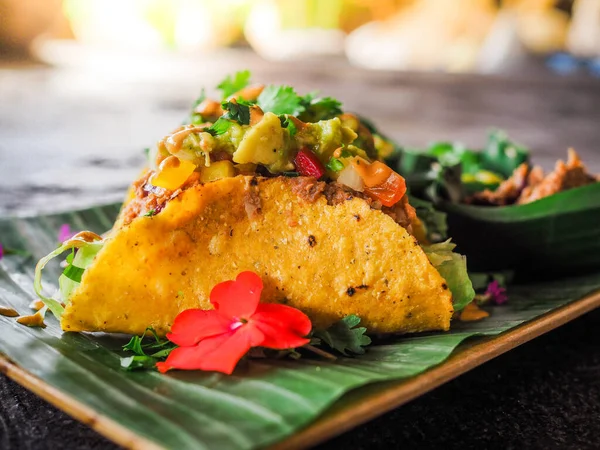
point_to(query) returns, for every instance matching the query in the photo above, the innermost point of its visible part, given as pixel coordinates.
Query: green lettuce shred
(67, 282)
(453, 267)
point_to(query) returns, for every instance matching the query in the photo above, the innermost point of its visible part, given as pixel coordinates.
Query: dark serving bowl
(555, 235)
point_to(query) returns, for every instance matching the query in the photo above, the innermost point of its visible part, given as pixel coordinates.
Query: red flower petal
(239, 298)
(286, 316)
(283, 326)
(217, 353)
(192, 357)
(193, 325)
(280, 338)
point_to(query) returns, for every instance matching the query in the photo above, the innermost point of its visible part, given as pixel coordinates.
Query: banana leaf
(556, 235)
(263, 402)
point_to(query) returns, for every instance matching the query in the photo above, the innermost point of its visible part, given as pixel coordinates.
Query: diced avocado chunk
(263, 143)
(325, 136)
(232, 138)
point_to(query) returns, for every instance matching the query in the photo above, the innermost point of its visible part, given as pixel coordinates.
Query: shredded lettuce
(83, 258)
(71, 276)
(453, 267)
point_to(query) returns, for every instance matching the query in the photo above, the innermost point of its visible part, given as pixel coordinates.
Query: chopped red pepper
(308, 164)
(390, 191)
(381, 182)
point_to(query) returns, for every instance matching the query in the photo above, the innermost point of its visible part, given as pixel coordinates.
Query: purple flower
(1, 251)
(65, 233)
(496, 293)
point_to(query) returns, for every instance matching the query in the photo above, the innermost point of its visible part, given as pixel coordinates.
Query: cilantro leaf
(135, 345)
(219, 127)
(150, 213)
(344, 337)
(280, 100)
(322, 108)
(230, 85)
(146, 354)
(238, 111)
(235, 110)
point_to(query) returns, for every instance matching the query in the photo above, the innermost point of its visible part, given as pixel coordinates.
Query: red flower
(217, 339)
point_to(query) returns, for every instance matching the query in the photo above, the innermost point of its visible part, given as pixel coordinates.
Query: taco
(287, 186)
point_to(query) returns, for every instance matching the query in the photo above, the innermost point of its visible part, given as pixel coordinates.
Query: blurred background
(85, 85)
(487, 36)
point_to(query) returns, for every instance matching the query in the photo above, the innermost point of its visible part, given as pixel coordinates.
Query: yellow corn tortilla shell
(328, 261)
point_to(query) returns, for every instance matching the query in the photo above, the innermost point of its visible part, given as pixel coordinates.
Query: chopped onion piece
(350, 177)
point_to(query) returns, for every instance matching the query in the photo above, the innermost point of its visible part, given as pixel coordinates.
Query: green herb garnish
(230, 85)
(219, 127)
(280, 100)
(150, 213)
(237, 110)
(335, 165)
(146, 354)
(319, 108)
(344, 337)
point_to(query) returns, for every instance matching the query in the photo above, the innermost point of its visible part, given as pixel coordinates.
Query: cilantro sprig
(343, 336)
(146, 354)
(230, 85)
(280, 100)
(308, 108)
(235, 110)
(238, 110)
(319, 108)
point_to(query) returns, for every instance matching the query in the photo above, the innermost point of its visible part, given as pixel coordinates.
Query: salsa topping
(267, 131)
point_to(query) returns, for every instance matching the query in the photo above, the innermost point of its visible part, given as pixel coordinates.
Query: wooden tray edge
(86, 415)
(362, 409)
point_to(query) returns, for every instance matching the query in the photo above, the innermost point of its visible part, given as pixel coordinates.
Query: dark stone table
(71, 137)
